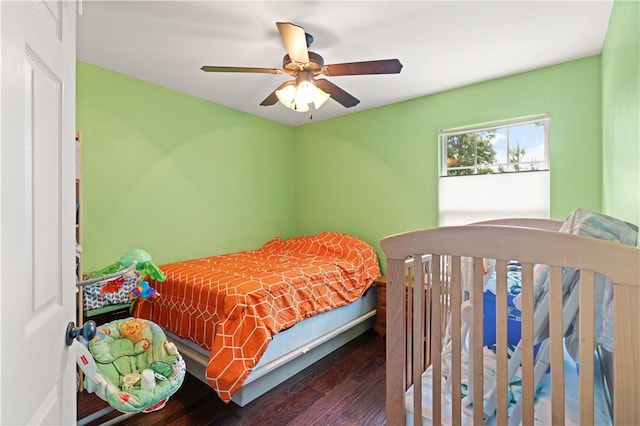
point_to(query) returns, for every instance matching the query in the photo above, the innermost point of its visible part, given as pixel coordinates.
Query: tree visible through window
(514, 146)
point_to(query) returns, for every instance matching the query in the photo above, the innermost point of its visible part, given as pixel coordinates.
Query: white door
(37, 170)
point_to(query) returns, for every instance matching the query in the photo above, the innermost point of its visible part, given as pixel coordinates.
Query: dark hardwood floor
(347, 387)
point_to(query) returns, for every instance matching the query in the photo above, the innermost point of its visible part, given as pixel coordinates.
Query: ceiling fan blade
(383, 66)
(270, 100)
(339, 95)
(273, 98)
(208, 68)
(295, 41)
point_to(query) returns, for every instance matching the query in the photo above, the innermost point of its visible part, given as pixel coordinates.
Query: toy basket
(108, 290)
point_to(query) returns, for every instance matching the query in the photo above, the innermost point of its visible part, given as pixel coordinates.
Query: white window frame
(471, 198)
(543, 164)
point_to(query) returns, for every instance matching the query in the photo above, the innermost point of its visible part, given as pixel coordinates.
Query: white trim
(495, 125)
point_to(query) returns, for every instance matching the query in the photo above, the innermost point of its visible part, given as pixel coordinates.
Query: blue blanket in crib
(595, 225)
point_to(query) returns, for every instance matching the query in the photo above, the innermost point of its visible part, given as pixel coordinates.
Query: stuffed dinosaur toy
(143, 263)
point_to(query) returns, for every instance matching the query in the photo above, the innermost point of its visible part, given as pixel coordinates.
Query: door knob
(87, 331)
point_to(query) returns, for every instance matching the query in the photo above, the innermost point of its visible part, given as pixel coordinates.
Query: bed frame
(291, 350)
(416, 324)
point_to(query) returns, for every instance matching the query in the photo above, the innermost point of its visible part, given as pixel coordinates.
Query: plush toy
(143, 263)
(132, 330)
(144, 291)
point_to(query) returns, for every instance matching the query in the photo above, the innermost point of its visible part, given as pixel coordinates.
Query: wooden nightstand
(380, 326)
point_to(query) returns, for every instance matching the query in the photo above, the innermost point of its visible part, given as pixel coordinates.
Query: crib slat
(445, 293)
(586, 318)
(408, 326)
(502, 381)
(436, 338)
(456, 344)
(556, 348)
(418, 332)
(477, 338)
(527, 344)
(626, 360)
(396, 342)
(428, 333)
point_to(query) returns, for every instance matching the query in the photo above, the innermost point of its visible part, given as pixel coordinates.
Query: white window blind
(473, 198)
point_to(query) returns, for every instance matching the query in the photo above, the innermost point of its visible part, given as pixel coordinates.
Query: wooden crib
(420, 322)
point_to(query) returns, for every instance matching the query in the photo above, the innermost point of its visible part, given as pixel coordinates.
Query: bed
(577, 360)
(245, 322)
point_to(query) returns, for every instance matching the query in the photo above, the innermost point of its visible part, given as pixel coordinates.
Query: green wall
(183, 178)
(375, 173)
(621, 113)
(175, 175)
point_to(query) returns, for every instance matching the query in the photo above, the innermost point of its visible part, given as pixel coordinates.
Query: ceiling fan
(305, 66)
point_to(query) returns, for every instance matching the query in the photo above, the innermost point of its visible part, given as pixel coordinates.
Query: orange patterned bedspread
(233, 304)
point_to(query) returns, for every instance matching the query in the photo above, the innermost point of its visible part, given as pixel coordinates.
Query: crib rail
(427, 266)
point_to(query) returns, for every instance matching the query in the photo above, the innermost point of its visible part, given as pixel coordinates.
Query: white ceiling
(441, 44)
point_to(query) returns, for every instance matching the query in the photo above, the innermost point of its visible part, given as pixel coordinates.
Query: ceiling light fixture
(299, 94)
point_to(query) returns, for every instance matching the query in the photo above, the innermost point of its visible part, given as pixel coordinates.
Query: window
(482, 172)
(514, 146)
